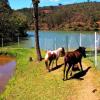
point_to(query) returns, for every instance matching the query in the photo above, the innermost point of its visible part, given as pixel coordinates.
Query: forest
(12, 23)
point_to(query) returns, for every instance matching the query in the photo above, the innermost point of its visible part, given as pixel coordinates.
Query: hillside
(80, 16)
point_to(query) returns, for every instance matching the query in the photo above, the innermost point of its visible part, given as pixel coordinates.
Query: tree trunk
(39, 57)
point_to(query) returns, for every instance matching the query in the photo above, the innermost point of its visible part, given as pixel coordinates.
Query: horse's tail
(46, 63)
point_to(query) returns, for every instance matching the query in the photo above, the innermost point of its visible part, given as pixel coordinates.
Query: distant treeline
(12, 23)
(80, 16)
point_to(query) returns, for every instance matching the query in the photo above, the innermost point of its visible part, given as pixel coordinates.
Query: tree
(88, 0)
(59, 4)
(35, 5)
(12, 23)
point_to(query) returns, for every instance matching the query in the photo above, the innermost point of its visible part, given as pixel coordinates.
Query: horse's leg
(52, 63)
(48, 68)
(80, 62)
(56, 62)
(68, 71)
(71, 70)
(64, 71)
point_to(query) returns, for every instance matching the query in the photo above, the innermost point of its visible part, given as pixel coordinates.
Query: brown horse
(72, 58)
(53, 55)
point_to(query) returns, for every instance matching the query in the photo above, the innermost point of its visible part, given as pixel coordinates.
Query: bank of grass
(31, 81)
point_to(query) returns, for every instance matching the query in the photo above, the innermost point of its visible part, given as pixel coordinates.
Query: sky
(18, 4)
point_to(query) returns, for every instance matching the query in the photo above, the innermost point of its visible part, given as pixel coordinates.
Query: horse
(72, 58)
(53, 55)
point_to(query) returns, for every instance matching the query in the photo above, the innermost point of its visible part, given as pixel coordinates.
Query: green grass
(92, 59)
(31, 80)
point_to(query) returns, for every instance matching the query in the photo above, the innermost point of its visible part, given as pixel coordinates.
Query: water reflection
(7, 67)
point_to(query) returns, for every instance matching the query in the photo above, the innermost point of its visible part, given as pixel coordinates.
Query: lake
(50, 40)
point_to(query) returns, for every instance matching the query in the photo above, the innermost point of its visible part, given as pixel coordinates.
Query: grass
(92, 59)
(31, 81)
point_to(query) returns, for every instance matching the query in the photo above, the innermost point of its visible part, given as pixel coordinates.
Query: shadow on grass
(57, 67)
(80, 74)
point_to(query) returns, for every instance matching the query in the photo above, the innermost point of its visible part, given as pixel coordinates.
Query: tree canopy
(12, 23)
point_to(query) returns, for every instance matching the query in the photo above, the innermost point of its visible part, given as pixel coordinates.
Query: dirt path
(87, 88)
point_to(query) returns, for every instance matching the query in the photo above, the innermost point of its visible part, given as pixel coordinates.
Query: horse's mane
(79, 49)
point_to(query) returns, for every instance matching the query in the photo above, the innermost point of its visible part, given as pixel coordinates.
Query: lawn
(31, 80)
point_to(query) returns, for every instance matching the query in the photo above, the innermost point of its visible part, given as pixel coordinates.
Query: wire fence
(69, 42)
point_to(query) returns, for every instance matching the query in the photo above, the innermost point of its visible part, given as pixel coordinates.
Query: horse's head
(82, 51)
(62, 51)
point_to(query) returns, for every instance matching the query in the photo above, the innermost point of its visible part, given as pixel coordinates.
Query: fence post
(67, 43)
(2, 42)
(55, 43)
(95, 49)
(18, 41)
(45, 43)
(80, 39)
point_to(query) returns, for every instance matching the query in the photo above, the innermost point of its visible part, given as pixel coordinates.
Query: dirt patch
(87, 89)
(5, 59)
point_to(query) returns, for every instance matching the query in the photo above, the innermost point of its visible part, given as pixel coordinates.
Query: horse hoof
(64, 79)
(49, 70)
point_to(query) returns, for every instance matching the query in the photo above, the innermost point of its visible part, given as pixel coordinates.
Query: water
(7, 68)
(50, 40)
(53, 40)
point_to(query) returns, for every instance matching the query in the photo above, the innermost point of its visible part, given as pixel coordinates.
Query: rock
(94, 90)
(30, 59)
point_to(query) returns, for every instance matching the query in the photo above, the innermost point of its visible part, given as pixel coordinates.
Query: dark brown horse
(53, 55)
(72, 58)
